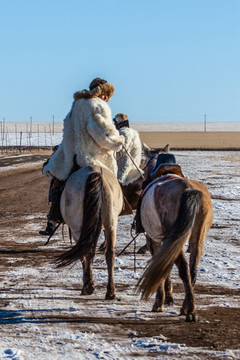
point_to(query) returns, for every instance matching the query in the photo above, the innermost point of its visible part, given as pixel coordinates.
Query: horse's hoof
(191, 317)
(110, 297)
(157, 308)
(87, 290)
(169, 300)
(183, 311)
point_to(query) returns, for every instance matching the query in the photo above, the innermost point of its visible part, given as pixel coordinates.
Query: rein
(133, 161)
(134, 251)
(69, 233)
(134, 238)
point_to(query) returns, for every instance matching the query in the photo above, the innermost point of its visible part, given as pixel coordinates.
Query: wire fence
(21, 136)
(18, 137)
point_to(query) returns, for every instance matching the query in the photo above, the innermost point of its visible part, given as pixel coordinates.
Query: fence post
(38, 135)
(20, 141)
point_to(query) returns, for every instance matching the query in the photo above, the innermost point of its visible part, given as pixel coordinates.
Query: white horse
(91, 201)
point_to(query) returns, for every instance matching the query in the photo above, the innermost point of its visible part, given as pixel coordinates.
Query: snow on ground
(41, 297)
(35, 139)
(18, 166)
(220, 171)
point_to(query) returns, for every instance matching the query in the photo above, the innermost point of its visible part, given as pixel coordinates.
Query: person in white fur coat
(89, 134)
(89, 138)
(129, 158)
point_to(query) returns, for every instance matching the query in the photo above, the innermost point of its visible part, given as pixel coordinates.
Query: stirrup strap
(52, 233)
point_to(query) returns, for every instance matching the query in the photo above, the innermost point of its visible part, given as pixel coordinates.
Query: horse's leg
(88, 287)
(163, 295)
(168, 290)
(164, 291)
(196, 242)
(160, 298)
(110, 239)
(188, 306)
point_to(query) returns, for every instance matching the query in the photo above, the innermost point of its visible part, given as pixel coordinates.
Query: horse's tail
(91, 222)
(161, 263)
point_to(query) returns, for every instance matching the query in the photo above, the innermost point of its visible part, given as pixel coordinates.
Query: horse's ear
(145, 150)
(166, 149)
(148, 151)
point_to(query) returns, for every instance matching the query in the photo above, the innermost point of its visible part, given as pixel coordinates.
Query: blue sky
(169, 60)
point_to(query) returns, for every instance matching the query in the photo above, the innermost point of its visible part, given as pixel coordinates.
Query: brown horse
(174, 210)
(133, 190)
(91, 201)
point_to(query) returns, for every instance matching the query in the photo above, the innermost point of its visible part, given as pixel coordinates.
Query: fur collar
(107, 89)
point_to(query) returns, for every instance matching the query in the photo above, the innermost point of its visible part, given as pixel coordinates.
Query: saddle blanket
(159, 179)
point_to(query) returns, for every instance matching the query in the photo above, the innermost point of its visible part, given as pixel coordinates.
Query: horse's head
(149, 158)
(160, 163)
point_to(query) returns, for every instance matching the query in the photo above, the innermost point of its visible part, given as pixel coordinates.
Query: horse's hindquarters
(149, 216)
(72, 201)
(112, 195)
(159, 207)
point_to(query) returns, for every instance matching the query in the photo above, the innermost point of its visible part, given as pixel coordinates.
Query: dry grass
(192, 139)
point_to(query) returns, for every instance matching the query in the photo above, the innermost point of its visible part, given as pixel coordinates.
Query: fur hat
(97, 87)
(121, 120)
(96, 82)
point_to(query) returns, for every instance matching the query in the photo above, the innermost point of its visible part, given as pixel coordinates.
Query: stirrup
(57, 226)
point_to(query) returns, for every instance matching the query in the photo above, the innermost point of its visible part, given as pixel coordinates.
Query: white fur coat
(127, 171)
(88, 133)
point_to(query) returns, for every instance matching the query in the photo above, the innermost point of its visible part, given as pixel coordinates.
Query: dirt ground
(24, 192)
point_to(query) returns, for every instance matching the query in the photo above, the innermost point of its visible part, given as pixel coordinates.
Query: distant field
(139, 126)
(187, 126)
(192, 139)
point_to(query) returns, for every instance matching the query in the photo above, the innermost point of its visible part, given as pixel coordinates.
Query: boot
(49, 229)
(143, 249)
(54, 214)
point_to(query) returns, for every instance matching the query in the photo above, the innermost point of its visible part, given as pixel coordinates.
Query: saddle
(165, 166)
(55, 192)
